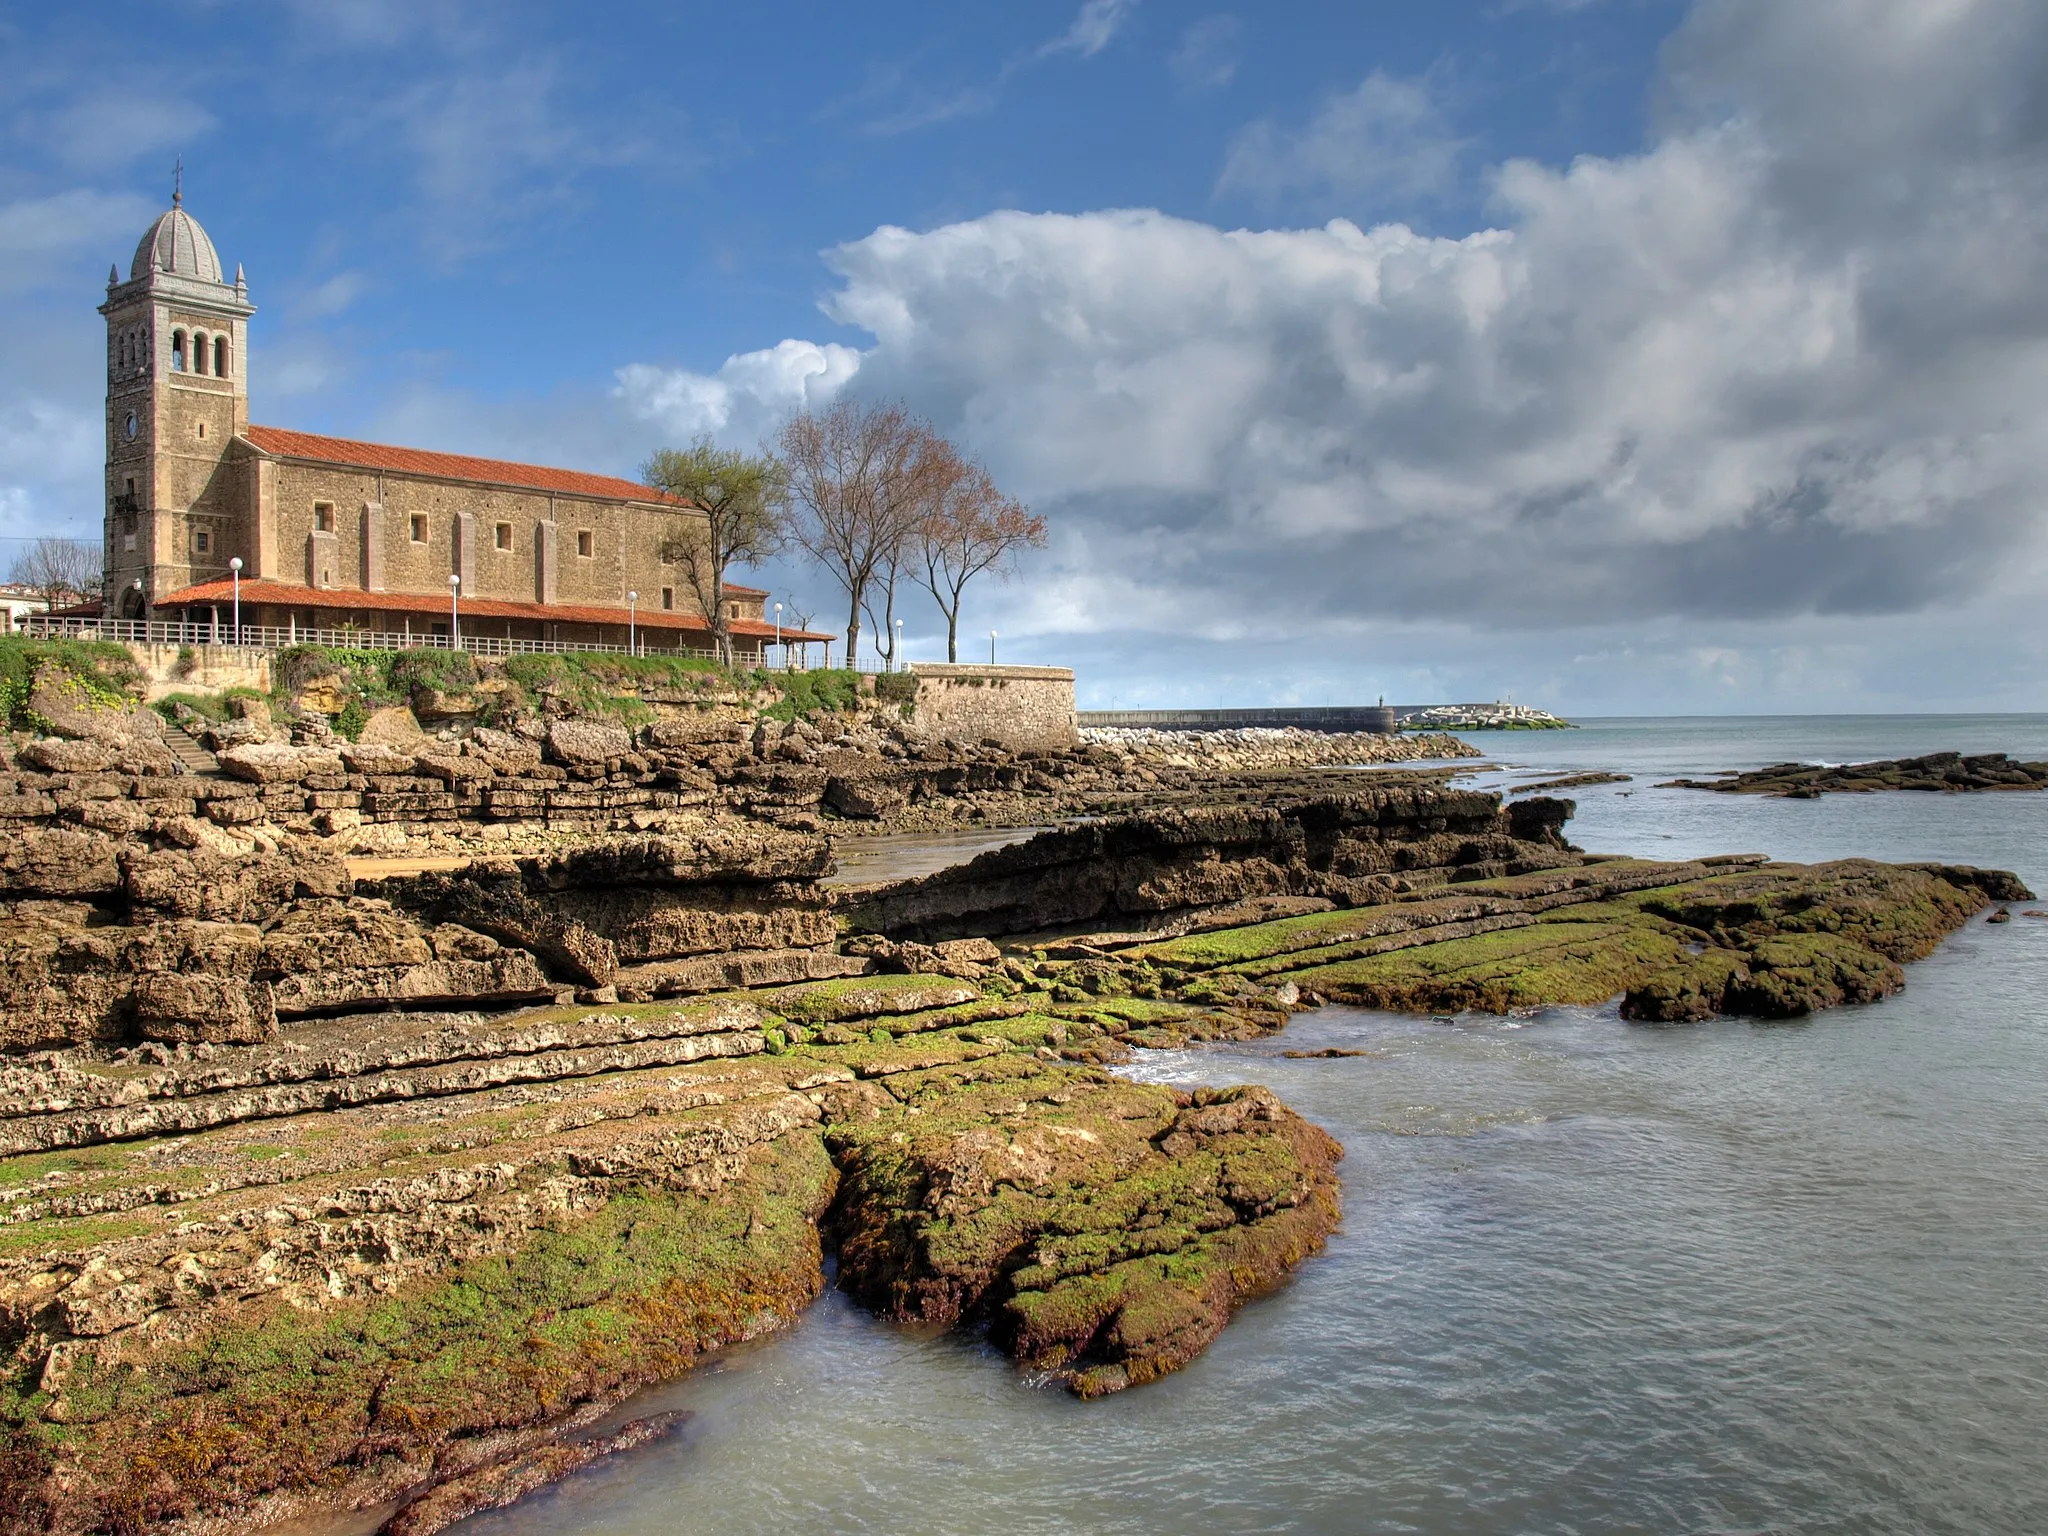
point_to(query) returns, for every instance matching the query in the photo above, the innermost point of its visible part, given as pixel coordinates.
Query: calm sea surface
(1593, 1277)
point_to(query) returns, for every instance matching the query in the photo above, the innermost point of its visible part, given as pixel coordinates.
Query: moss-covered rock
(1106, 1229)
(1583, 961)
(258, 1400)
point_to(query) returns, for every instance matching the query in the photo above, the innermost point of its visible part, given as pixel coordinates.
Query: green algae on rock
(1106, 1229)
(343, 1298)
(1676, 942)
(268, 1397)
(360, 1239)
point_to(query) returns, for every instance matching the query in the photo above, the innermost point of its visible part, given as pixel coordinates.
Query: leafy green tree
(742, 497)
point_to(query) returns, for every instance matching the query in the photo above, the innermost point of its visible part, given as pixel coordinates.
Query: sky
(1611, 356)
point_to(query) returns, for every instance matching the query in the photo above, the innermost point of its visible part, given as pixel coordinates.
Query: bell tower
(177, 398)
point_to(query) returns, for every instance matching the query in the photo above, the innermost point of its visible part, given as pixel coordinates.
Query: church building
(333, 534)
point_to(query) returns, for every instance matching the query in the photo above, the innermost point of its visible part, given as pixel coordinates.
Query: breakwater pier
(1379, 718)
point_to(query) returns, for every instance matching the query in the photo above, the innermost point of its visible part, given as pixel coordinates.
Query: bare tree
(969, 527)
(857, 483)
(888, 569)
(741, 497)
(800, 620)
(60, 571)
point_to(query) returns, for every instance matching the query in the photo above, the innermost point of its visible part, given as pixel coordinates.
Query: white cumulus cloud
(1787, 366)
(1786, 360)
(747, 398)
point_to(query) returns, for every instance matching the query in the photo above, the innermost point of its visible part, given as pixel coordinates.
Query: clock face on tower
(131, 426)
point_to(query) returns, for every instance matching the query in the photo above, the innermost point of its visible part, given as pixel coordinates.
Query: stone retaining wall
(179, 668)
(1025, 708)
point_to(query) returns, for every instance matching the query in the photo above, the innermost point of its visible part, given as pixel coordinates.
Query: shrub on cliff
(104, 673)
(819, 692)
(444, 671)
(366, 674)
(609, 685)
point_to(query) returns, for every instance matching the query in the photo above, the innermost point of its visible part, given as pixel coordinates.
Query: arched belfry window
(220, 356)
(177, 351)
(199, 352)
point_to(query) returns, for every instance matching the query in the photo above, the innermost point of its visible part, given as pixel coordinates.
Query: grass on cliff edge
(630, 1295)
(598, 684)
(105, 672)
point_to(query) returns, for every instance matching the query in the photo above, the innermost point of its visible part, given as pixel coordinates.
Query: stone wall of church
(197, 489)
(421, 530)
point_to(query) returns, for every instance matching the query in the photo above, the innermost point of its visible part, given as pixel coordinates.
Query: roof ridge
(437, 463)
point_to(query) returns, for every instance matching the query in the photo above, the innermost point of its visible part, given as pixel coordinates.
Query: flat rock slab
(1945, 772)
(838, 1002)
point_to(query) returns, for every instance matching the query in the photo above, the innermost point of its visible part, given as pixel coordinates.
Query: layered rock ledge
(324, 1191)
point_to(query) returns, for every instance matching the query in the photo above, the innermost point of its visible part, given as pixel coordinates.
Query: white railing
(130, 631)
(277, 637)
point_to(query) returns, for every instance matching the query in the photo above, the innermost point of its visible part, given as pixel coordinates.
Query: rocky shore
(1946, 772)
(1253, 749)
(337, 1178)
(554, 771)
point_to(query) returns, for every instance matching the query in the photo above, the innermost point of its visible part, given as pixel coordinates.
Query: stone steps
(195, 758)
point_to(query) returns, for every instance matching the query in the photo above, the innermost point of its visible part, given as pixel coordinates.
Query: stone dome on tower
(178, 247)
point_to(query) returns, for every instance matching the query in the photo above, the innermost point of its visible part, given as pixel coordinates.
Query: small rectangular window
(668, 597)
(504, 535)
(419, 527)
(202, 431)
(583, 542)
(323, 517)
(202, 541)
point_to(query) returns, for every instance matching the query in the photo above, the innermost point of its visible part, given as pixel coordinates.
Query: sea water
(1592, 1277)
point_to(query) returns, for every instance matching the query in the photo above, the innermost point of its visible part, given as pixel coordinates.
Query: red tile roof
(447, 466)
(459, 466)
(285, 594)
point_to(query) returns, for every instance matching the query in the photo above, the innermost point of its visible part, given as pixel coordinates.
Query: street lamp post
(135, 586)
(778, 637)
(454, 610)
(235, 570)
(896, 650)
(991, 647)
(632, 604)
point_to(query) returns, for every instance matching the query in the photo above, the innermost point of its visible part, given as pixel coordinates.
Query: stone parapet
(170, 668)
(1024, 708)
